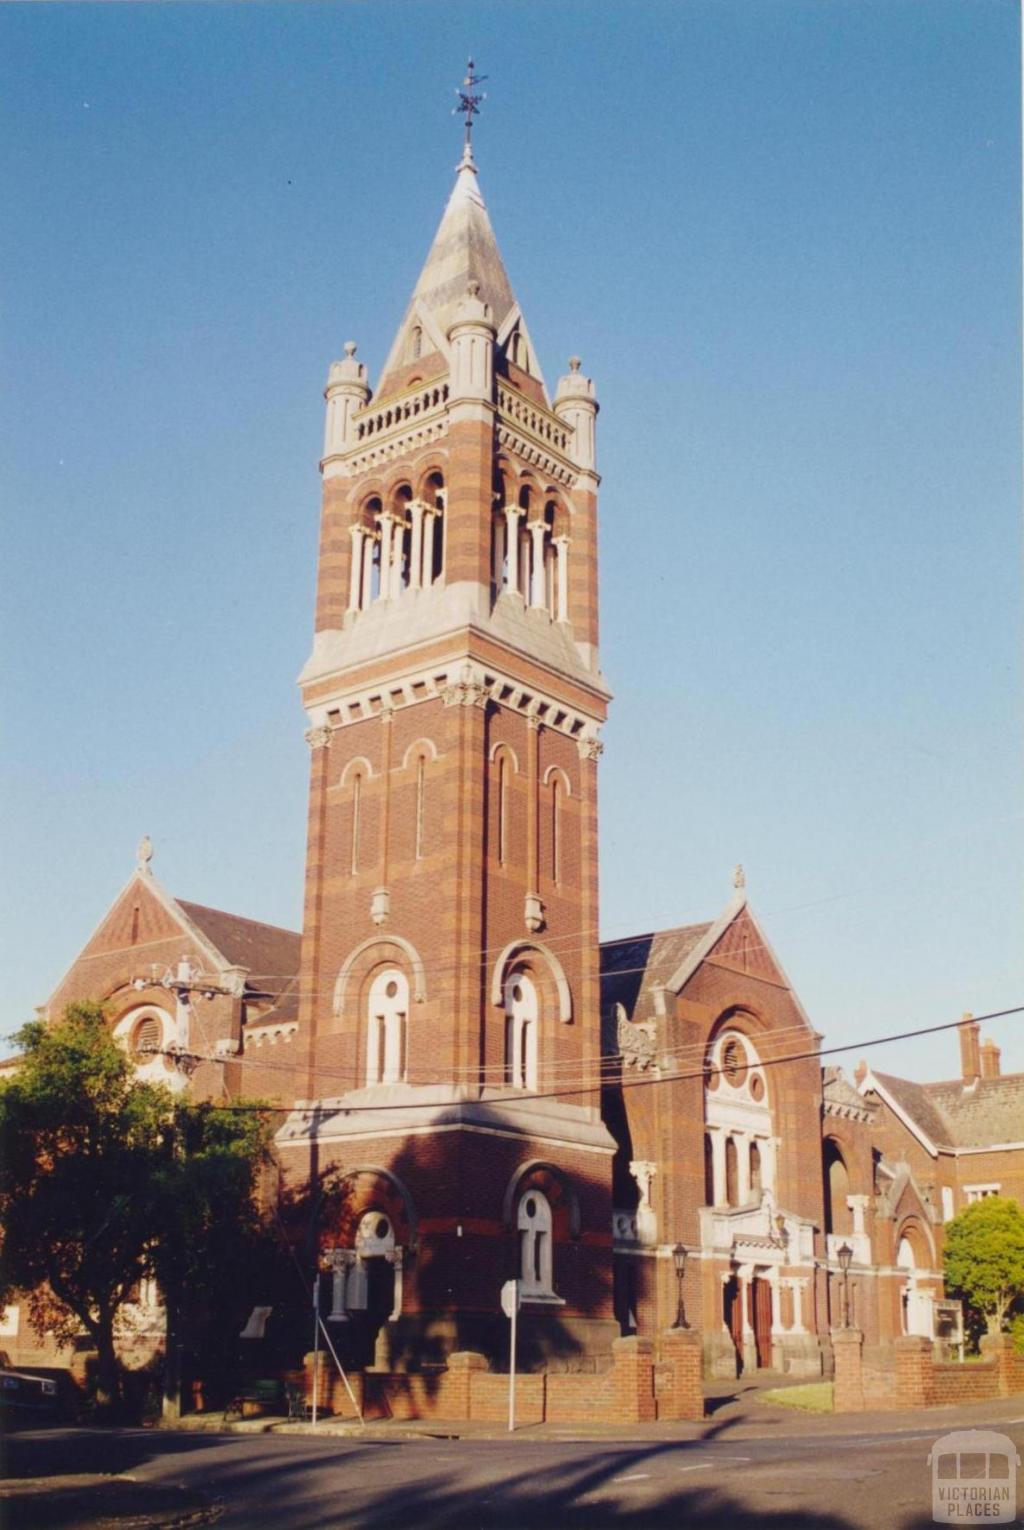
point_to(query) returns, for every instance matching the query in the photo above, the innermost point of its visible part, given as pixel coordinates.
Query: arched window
(838, 1216)
(521, 1021)
(709, 1171)
(732, 1192)
(502, 808)
(556, 828)
(386, 1028)
(421, 794)
(415, 342)
(755, 1170)
(535, 1255)
(433, 533)
(357, 804)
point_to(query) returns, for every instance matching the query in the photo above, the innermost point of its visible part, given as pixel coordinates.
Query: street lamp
(679, 1260)
(844, 1253)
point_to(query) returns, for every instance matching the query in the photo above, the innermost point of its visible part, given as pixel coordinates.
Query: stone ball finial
(350, 348)
(575, 363)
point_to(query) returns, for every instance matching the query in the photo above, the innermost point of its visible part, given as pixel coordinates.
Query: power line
(525, 1096)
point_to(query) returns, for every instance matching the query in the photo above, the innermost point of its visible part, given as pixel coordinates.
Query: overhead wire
(640, 1081)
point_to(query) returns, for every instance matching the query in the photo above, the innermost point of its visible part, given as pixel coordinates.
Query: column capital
(319, 737)
(590, 748)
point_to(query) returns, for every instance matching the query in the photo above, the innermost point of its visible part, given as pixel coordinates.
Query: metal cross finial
(469, 104)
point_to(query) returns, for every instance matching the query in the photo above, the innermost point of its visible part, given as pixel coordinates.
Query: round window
(531, 1207)
(392, 989)
(757, 1086)
(383, 1228)
(734, 1061)
(517, 993)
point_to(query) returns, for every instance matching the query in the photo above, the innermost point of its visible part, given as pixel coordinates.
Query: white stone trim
(869, 1081)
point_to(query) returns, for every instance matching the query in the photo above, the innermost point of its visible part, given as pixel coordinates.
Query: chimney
(970, 1052)
(989, 1058)
(860, 1073)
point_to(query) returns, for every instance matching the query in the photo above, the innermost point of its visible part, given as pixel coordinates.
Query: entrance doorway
(732, 1313)
(761, 1320)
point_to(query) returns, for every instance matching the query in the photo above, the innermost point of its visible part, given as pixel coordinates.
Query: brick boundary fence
(633, 1391)
(912, 1378)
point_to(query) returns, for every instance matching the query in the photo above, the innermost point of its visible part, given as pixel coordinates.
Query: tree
(105, 1180)
(984, 1257)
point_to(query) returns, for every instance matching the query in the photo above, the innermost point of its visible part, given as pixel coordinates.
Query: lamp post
(844, 1253)
(679, 1260)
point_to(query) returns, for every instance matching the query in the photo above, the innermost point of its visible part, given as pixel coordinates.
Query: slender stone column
(416, 553)
(386, 529)
(427, 549)
(512, 539)
(397, 547)
(355, 580)
(537, 530)
(369, 539)
(562, 579)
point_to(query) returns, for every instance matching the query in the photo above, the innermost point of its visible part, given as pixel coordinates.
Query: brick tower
(450, 985)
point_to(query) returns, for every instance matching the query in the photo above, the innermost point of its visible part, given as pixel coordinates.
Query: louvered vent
(147, 1036)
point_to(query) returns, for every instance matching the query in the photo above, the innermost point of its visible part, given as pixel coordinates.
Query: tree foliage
(105, 1180)
(984, 1257)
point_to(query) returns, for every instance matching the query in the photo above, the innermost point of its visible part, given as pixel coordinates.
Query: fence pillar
(848, 1362)
(633, 1381)
(458, 1383)
(683, 1395)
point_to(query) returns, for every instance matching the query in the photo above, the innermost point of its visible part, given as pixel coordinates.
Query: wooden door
(761, 1320)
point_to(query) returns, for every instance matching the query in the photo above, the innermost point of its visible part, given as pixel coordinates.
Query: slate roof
(269, 954)
(953, 1115)
(993, 1111)
(631, 968)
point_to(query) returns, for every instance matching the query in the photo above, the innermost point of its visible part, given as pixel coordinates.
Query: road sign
(511, 1301)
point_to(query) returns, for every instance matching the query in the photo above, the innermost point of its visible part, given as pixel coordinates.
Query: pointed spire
(464, 251)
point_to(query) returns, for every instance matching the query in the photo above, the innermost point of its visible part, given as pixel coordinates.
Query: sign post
(316, 1342)
(510, 1300)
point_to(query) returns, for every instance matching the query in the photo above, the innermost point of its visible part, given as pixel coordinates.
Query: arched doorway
(370, 1294)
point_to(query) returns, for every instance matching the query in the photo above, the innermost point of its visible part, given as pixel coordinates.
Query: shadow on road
(334, 1484)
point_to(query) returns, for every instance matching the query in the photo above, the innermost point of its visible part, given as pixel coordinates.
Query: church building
(641, 1132)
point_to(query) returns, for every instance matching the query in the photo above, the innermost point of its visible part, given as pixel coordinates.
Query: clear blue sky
(783, 236)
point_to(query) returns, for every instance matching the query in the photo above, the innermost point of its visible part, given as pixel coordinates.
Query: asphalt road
(879, 1482)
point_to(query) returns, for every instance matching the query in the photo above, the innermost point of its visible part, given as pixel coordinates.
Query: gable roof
(269, 953)
(990, 1112)
(632, 968)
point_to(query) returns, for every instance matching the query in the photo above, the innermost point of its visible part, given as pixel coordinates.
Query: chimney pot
(990, 1055)
(970, 1050)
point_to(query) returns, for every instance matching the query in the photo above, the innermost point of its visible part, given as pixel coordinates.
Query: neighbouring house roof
(954, 1115)
(632, 968)
(990, 1111)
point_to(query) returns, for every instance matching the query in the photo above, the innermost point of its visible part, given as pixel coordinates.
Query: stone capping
(487, 686)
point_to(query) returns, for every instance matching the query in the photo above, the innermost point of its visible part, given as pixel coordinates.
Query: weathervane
(469, 104)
